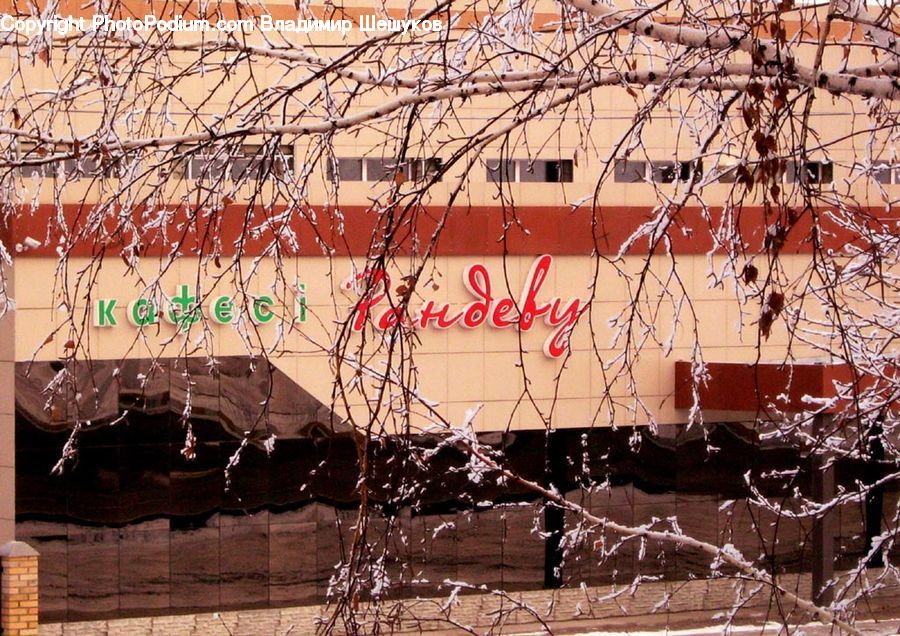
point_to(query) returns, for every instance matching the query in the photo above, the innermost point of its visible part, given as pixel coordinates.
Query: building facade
(172, 361)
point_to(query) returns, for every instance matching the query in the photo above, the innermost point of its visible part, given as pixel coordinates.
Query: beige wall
(457, 368)
(838, 124)
(839, 127)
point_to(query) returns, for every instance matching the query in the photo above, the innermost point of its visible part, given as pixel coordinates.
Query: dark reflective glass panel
(144, 520)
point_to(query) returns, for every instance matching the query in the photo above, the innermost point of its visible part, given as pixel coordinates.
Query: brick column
(19, 589)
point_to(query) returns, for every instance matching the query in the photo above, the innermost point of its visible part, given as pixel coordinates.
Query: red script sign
(498, 312)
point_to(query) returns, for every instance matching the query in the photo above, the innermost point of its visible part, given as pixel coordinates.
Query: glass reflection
(134, 526)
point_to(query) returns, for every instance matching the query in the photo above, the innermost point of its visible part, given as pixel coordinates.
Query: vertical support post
(823, 527)
(875, 498)
(554, 517)
(19, 589)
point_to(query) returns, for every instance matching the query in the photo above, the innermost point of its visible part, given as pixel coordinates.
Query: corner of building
(7, 410)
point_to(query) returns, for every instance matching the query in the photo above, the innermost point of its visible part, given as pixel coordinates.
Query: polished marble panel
(137, 523)
(433, 555)
(244, 563)
(93, 572)
(479, 556)
(292, 562)
(520, 542)
(144, 567)
(195, 564)
(335, 532)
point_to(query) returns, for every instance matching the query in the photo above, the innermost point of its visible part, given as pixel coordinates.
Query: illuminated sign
(184, 309)
(486, 308)
(373, 307)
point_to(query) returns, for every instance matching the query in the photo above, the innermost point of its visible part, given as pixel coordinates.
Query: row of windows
(251, 162)
(525, 171)
(884, 174)
(656, 171)
(359, 169)
(255, 162)
(681, 171)
(498, 171)
(78, 168)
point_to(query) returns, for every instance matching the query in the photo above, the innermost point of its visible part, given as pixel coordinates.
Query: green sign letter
(142, 312)
(183, 310)
(261, 313)
(300, 304)
(103, 313)
(222, 310)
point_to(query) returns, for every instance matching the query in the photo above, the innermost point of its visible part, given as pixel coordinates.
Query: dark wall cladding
(132, 527)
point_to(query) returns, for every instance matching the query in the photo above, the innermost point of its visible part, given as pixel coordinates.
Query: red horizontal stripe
(475, 231)
(753, 387)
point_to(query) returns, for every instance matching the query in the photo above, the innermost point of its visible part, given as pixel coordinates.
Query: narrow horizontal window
(380, 169)
(422, 169)
(527, 171)
(348, 169)
(883, 173)
(206, 167)
(630, 171)
(674, 171)
(94, 167)
(664, 171)
(36, 170)
(686, 169)
(728, 172)
(546, 171)
(412, 169)
(501, 171)
(28, 152)
(258, 162)
(810, 172)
